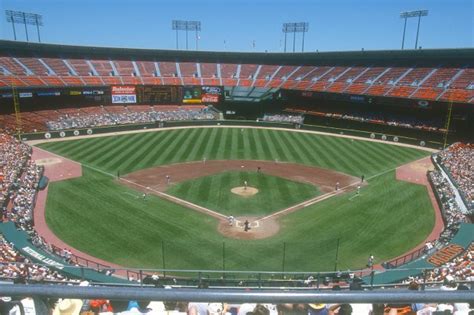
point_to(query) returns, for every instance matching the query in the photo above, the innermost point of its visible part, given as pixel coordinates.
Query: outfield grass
(214, 192)
(99, 216)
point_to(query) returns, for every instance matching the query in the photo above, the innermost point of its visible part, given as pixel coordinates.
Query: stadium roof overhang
(248, 94)
(421, 57)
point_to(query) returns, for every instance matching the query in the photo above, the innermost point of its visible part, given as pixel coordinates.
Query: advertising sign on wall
(124, 94)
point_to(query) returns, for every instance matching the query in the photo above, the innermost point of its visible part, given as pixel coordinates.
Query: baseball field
(161, 199)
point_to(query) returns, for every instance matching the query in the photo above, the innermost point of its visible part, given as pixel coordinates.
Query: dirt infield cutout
(245, 192)
(155, 180)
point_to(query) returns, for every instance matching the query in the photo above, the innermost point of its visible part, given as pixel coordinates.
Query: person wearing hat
(317, 309)
(68, 307)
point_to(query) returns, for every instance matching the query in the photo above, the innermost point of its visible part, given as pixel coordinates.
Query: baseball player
(245, 185)
(337, 186)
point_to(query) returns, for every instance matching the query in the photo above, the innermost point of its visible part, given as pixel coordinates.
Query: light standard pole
(410, 14)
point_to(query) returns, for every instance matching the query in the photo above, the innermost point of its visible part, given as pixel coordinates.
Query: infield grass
(214, 192)
(97, 215)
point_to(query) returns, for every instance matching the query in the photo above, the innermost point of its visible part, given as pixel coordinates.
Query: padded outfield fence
(170, 124)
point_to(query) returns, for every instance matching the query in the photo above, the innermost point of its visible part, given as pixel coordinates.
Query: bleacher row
(445, 84)
(36, 120)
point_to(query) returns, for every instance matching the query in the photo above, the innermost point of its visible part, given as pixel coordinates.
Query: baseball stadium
(133, 177)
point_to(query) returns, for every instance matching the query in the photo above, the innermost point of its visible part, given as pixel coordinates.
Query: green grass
(97, 215)
(214, 192)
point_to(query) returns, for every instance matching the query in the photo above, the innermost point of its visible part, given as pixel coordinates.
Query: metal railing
(236, 296)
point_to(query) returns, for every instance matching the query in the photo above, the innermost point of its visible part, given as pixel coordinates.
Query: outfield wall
(170, 124)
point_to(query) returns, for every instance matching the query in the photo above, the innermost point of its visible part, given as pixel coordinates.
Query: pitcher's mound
(244, 192)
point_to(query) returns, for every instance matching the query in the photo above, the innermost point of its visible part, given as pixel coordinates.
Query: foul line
(174, 199)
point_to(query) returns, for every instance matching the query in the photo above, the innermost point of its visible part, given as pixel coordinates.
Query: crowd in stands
(19, 181)
(458, 160)
(450, 210)
(380, 118)
(294, 119)
(13, 156)
(16, 267)
(71, 121)
(104, 306)
(460, 268)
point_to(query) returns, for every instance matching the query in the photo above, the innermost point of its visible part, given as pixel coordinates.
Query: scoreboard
(159, 94)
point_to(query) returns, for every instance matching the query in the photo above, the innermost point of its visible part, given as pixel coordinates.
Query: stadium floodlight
(299, 27)
(410, 14)
(178, 25)
(19, 17)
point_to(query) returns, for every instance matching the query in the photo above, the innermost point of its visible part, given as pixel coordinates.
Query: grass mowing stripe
(294, 150)
(368, 156)
(183, 152)
(246, 145)
(282, 152)
(160, 144)
(322, 159)
(303, 151)
(362, 159)
(254, 150)
(234, 144)
(170, 150)
(268, 146)
(347, 161)
(220, 149)
(228, 145)
(85, 149)
(105, 154)
(209, 149)
(332, 157)
(128, 152)
(200, 137)
(130, 161)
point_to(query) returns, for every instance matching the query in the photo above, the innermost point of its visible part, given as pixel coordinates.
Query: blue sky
(335, 25)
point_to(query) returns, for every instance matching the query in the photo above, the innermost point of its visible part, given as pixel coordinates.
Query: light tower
(19, 17)
(410, 14)
(178, 25)
(299, 27)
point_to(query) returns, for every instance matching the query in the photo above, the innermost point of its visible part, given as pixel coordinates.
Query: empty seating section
(103, 67)
(264, 75)
(209, 74)
(34, 65)
(370, 75)
(58, 66)
(228, 74)
(125, 68)
(386, 81)
(247, 74)
(457, 95)
(112, 80)
(300, 75)
(465, 79)
(169, 73)
(427, 93)
(91, 80)
(54, 81)
(441, 77)
(80, 66)
(322, 75)
(345, 79)
(408, 82)
(401, 91)
(281, 76)
(146, 68)
(10, 65)
(415, 76)
(443, 83)
(189, 73)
